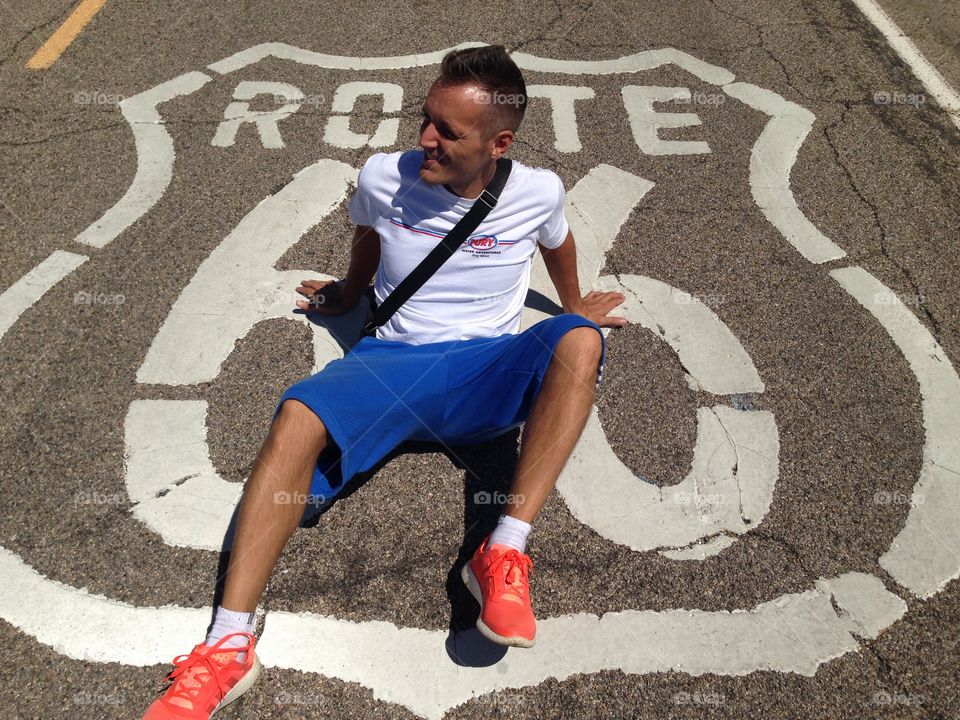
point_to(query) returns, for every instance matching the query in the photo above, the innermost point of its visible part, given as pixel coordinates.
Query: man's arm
(561, 264)
(364, 261)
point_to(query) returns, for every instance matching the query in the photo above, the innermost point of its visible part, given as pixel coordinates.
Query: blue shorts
(456, 392)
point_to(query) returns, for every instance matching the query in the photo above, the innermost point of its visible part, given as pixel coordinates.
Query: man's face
(455, 135)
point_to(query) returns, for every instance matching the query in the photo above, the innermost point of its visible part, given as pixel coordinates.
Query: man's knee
(581, 344)
(296, 418)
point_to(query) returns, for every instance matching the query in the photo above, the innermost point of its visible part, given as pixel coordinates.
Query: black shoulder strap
(442, 252)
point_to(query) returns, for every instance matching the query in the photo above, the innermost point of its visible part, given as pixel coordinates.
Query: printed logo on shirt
(483, 242)
(480, 245)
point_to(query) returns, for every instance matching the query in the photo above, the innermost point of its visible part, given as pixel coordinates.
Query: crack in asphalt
(886, 671)
(761, 44)
(884, 251)
(736, 467)
(68, 133)
(705, 540)
(902, 74)
(550, 24)
(30, 31)
(791, 550)
(869, 645)
(758, 29)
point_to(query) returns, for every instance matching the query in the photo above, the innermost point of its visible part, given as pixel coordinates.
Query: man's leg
(273, 502)
(556, 420)
(497, 575)
(218, 671)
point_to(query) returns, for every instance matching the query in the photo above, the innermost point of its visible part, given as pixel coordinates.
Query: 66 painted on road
(736, 455)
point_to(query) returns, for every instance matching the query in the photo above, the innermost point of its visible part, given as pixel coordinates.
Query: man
(449, 366)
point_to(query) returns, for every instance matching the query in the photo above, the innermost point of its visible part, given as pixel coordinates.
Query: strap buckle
(490, 200)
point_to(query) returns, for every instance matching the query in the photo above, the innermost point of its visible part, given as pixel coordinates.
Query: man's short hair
(497, 76)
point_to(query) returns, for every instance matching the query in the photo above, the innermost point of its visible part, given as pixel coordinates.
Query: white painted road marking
(596, 209)
(155, 154)
(638, 62)
(646, 122)
(771, 161)
(735, 465)
(728, 489)
(20, 296)
(237, 113)
(925, 556)
(200, 331)
(154, 158)
(255, 54)
(931, 78)
(713, 358)
(714, 502)
(563, 107)
(175, 489)
(726, 493)
(338, 132)
(794, 633)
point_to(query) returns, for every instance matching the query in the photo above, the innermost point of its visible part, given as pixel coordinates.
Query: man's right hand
(307, 288)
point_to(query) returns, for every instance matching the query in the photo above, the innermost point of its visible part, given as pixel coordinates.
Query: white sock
(511, 532)
(226, 622)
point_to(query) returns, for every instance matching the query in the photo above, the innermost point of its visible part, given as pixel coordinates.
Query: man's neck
(472, 190)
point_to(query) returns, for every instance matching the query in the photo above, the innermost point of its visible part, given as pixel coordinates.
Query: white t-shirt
(480, 290)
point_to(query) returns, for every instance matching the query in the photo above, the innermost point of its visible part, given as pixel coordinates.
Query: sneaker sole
(470, 580)
(241, 687)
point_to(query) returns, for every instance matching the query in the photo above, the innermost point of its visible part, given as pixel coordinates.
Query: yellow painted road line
(58, 42)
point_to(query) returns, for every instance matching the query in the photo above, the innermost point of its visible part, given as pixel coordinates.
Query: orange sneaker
(205, 681)
(498, 577)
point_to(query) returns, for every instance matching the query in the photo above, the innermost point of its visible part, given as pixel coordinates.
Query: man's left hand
(596, 306)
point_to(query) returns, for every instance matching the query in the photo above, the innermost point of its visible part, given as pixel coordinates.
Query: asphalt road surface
(760, 520)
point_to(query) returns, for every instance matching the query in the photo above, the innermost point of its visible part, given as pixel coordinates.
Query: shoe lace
(181, 676)
(502, 569)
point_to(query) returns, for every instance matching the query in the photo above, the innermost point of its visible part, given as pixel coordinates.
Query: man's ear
(502, 142)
